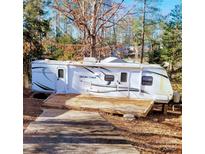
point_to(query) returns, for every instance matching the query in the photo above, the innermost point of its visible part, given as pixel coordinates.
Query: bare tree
(91, 17)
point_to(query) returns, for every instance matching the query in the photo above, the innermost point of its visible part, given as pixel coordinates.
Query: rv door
(135, 82)
(61, 80)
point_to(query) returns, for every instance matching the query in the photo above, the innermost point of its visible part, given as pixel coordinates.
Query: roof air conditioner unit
(89, 60)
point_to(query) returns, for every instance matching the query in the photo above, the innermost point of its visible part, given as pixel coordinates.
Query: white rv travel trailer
(112, 77)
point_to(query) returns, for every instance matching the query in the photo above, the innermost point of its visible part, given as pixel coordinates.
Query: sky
(165, 5)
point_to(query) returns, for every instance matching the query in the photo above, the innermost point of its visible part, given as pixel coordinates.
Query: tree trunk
(26, 71)
(84, 30)
(93, 30)
(143, 31)
(93, 46)
(26, 81)
(171, 71)
(115, 36)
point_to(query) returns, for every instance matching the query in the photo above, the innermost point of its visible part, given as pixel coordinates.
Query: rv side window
(147, 80)
(123, 77)
(60, 73)
(109, 78)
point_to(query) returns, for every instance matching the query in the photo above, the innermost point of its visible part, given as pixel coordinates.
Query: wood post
(164, 108)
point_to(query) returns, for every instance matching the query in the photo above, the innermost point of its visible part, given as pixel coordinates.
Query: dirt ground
(157, 133)
(31, 108)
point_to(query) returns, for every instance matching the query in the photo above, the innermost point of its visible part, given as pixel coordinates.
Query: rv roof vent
(89, 60)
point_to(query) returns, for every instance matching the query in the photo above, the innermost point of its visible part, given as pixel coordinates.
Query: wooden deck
(139, 108)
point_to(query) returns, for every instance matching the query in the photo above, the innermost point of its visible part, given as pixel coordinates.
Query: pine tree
(172, 43)
(35, 28)
(148, 18)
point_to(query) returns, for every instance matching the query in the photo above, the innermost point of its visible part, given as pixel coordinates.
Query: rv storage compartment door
(61, 80)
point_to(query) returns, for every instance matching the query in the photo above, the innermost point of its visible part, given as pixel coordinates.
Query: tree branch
(110, 16)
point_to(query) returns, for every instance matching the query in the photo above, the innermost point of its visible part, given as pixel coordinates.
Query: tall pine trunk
(143, 31)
